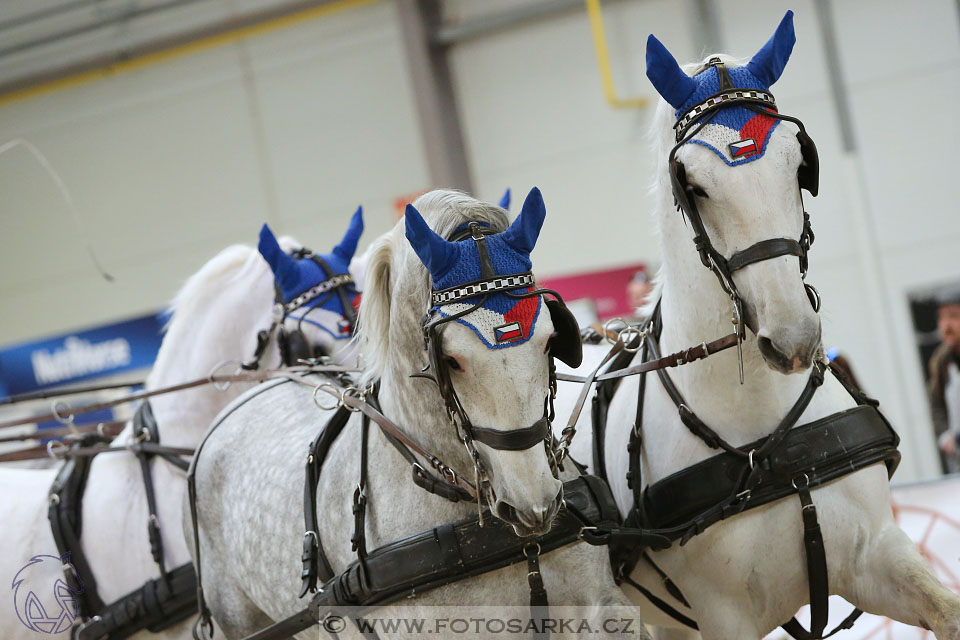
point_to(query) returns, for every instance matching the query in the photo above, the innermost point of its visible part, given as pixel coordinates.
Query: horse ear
(348, 246)
(666, 75)
(283, 266)
(505, 199)
(523, 233)
(436, 254)
(769, 62)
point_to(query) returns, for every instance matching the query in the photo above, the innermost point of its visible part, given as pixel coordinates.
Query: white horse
(250, 467)
(216, 315)
(746, 575)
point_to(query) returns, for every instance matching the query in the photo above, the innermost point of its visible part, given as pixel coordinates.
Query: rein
(247, 376)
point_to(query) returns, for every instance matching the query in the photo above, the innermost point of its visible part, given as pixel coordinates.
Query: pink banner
(605, 289)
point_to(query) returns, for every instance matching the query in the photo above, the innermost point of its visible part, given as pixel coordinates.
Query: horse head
(736, 171)
(488, 333)
(315, 296)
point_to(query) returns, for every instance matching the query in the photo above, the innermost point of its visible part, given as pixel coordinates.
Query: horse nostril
(774, 355)
(507, 512)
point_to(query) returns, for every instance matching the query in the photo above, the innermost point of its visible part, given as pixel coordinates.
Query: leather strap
(157, 605)
(315, 563)
(446, 472)
(514, 440)
(65, 515)
(685, 356)
(245, 376)
(842, 442)
(446, 554)
(359, 539)
(764, 250)
(145, 427)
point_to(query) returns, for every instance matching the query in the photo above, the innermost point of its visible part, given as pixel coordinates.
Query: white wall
(170, 163)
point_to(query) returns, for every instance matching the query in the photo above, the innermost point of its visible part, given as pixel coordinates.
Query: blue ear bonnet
(504, 258)
(501, 321)
(298, 273)
(737, 134)
(499, 312)
(708, 83)
(311, 275)
(743, 122)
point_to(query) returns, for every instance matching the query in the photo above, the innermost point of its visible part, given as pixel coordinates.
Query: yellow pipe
(177, 51)
(603, 61)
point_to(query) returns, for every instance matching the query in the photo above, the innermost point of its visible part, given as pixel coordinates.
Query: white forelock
(394, 273)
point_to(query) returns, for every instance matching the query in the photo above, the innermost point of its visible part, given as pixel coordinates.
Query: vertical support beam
(706, 26)
(433, 89)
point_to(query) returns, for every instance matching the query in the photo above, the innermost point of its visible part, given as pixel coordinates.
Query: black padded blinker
(565, 346)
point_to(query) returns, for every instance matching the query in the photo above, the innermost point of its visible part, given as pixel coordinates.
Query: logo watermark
(45, 594)
(462, 622)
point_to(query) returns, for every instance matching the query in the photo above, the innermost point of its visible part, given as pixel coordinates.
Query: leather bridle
(563, 344)
(294, 346)
(688, 125)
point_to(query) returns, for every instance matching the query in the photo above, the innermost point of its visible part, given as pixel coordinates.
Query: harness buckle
(806, 482)
(89, 623)
(750, 458)
(582, 529)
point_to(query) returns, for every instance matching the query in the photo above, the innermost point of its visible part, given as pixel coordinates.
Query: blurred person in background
(638, 290)
(945, 378)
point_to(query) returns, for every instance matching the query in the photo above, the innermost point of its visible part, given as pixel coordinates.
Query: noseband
(563, 345)
(687, 128)
(294, 346)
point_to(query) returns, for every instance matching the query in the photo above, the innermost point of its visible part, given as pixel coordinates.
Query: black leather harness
(449, 553)
(159, 603)
(424, 561)
(788, 461)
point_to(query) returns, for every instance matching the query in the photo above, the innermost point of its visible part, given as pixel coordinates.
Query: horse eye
(452, 363)
(700, 193)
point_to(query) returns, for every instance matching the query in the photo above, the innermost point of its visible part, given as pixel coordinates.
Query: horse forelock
(397, 286)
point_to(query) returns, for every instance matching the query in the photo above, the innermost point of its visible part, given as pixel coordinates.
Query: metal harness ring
(223, 385)
(54, 409)
(355, 392)
(55, 448)
(607, 331)
(332, 390)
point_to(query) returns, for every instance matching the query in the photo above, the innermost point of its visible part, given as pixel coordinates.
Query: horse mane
(393, 270)
(193, 302)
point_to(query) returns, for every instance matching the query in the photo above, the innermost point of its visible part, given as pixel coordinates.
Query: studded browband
(482, 287)
(724, 98)
(320, 289)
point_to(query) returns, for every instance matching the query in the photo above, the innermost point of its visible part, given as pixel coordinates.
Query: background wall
(170, 162)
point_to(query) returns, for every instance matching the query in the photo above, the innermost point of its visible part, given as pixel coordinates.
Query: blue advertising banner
(81, 355)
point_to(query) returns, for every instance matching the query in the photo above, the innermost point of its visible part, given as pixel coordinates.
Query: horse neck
(695, 309)
(223, 327)
(415, 404)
